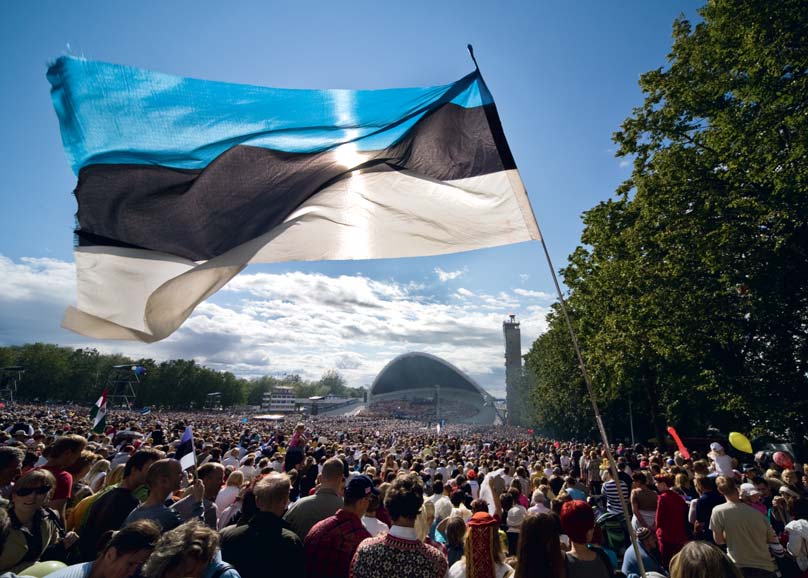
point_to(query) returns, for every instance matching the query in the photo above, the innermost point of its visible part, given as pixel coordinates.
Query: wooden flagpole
(587, 380)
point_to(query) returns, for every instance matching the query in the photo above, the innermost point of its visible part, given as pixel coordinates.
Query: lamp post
(437, 402)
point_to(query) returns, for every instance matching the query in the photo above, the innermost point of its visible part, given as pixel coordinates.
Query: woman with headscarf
(483, 555)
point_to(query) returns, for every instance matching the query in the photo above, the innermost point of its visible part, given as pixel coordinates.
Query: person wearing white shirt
(370, 521)
(231, 461)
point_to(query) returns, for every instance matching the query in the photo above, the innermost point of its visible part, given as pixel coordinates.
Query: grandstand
(425, 387)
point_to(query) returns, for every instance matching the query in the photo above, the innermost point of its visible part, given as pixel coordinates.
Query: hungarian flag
(186, 453)
(98, 414)
(183, 182)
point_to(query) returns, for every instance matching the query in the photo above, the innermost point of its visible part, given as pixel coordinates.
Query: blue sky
(564, 76)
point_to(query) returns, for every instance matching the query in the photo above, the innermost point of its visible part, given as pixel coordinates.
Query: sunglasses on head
(41, 490)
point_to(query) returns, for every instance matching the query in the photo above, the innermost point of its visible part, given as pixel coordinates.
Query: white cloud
(533, 294)
(305, 323)
(37, 278)
(523, 277)
(444, 276)
(625, 163)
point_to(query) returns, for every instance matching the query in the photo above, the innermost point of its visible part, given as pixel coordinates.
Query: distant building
(513, 365)
(280, 400)
(426, 388)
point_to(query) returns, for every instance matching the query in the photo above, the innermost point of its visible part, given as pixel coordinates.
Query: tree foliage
(690, 288)
(66, 374)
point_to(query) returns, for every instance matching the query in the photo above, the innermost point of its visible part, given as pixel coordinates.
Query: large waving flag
(183, 182)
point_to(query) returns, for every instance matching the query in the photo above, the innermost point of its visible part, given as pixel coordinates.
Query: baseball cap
(749, 490)
(360, 487)
(716, 447)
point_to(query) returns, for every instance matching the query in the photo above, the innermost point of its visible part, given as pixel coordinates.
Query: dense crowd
(366, 497)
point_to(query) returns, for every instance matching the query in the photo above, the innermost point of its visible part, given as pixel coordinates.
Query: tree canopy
(690, 288)
(66, 374)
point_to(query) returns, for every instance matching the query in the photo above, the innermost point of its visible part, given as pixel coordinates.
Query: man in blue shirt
(651, 558)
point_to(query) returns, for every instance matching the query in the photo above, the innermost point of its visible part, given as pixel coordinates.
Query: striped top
(613, 498)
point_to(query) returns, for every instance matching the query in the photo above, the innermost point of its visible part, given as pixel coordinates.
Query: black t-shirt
(107, 513)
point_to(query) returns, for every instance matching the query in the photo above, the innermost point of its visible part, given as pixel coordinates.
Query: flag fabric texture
(183, 182)
(98, 414)
(145, 411)
(186, 453)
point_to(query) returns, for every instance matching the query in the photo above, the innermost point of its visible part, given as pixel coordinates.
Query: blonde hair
(115, 476)
(702, 560)
(424, 520)
(99, 466)
(236, 478)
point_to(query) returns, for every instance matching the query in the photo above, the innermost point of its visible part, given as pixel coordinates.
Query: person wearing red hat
(483, 556)
(474, 484)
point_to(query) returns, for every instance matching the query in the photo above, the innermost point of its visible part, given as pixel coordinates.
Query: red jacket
(671, 517)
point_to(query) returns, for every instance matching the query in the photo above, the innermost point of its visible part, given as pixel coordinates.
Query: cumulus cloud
(533, 294)
(33, 279)
(295, 322)
(444, 276)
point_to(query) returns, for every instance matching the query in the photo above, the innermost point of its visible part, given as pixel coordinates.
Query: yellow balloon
(42, 569)
(740, 442)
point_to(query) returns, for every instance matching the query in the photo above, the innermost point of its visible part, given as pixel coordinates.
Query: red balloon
(783, 459)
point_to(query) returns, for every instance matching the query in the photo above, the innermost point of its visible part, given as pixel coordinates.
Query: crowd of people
(372, 497)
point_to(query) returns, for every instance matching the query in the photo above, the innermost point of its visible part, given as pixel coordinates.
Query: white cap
(716, 447)
(749, 490)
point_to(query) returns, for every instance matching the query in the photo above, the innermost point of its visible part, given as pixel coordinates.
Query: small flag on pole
(145, 411)
(186, 453)
(99, 413)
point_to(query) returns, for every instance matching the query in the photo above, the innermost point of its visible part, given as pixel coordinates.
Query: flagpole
(592, 399)
(585, 373)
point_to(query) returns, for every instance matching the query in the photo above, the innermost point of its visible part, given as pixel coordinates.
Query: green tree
(333, 383)
(690, 289)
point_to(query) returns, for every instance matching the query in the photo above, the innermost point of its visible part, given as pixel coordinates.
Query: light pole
(437, 402)
(631, 419)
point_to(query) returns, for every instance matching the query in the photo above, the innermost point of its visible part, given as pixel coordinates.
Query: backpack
(614, 530)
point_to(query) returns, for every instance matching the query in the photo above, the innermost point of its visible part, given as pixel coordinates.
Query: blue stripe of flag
(112, 114)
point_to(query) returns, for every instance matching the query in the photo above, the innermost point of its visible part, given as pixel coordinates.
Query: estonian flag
(98, 414)
(186, 453)
(183, 182)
